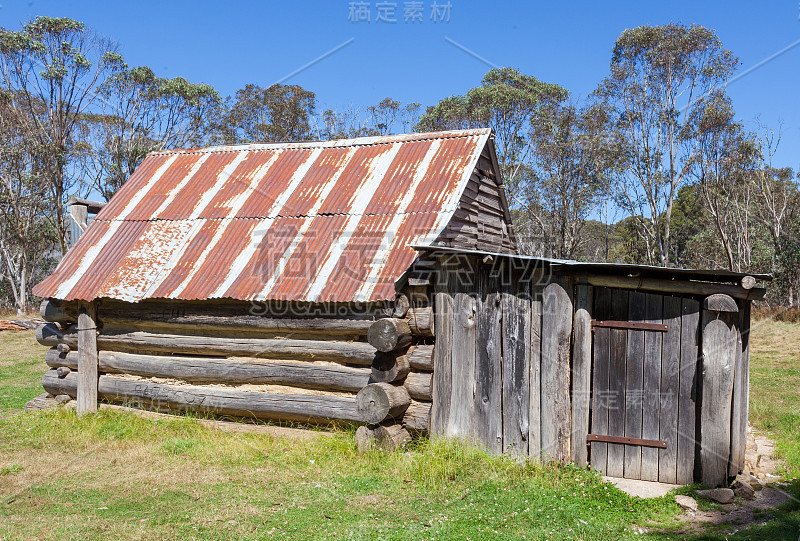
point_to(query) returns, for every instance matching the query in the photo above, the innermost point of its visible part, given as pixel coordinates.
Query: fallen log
(358, 353)
(379, 401)
(418, 385)
(388, 367)
(388, 334)
(331, 376)
(317, 409)
(420, 357)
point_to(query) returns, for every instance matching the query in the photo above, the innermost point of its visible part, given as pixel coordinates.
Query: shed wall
(521, 366)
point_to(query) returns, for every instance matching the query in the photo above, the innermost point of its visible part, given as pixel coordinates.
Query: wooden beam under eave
(676, 286)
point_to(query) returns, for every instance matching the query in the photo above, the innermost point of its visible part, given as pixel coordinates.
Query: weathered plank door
(644, 368)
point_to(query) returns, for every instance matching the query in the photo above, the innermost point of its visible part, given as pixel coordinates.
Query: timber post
(719, 343)
(581, 373)
(87, 358)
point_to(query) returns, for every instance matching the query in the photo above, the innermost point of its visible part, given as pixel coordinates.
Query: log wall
(299, 363)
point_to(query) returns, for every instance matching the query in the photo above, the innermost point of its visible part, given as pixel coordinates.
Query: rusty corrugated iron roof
(316, 221)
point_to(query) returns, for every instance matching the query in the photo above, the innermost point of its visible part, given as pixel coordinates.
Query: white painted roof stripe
(263, 227)
(324, 193)
(364, 195)
(235, 204)
(92, 253)
(389, 235)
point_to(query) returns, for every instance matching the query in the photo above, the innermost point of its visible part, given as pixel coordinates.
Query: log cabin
(376, 282)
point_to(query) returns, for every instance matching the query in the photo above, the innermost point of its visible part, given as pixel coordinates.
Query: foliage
(507, 101)
(570, 165)
(274, 114)
(49, 73)
(142, 113)
(660, 77)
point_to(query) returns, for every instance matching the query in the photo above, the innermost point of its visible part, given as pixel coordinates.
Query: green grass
(21, 369)
(171, 479)
(116, 475)
(775, 387)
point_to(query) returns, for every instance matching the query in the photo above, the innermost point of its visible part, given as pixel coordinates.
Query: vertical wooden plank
(556, 333)
(581, 373)
(719, 344)
(87, 358)
(634, 377)
(744, 390)
(670, 383)
(651, 386)
(442, 351)
(687, 391)
(616, 383)
(740, 392)
(462, 379)
(600, 370)
(516, 321)
(535, 379)
(488, 364)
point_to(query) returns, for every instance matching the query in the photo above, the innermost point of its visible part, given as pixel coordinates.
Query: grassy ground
(116, 475)
(775, 387)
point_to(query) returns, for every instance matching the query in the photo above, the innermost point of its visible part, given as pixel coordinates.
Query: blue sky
(230, 44)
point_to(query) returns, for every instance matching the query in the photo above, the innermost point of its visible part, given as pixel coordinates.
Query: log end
(388, 334)
(720, 303)
(387, 367)
(378, 401)
(49, 334)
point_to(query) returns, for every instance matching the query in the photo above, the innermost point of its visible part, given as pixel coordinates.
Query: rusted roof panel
(317, 221)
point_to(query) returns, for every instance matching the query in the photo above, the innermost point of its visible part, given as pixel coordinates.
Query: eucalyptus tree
(506, 101)
(273, 114)
(659, 77)
(51, 69)
(723, 165)
(140, 113)
(571, 165)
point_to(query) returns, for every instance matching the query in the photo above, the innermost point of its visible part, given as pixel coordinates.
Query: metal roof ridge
(330, 143)
(273, 217)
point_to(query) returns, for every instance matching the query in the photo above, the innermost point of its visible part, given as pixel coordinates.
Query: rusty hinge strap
(628, 441)
(635, 325)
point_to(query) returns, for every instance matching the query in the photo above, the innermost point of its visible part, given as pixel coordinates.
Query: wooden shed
(375, 281)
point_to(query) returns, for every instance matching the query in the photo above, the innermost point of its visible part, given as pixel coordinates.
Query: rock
(743, 490)
(719, 495)
(63, 398)
(687, 502)
(750, 479)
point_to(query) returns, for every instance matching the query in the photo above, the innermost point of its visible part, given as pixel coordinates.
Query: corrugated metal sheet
(321, 221)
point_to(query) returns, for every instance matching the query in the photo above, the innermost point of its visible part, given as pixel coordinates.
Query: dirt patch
(737, 516)
(760, 462)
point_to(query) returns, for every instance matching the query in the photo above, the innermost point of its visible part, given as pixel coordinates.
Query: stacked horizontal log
(218, 358)
(397, 401)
